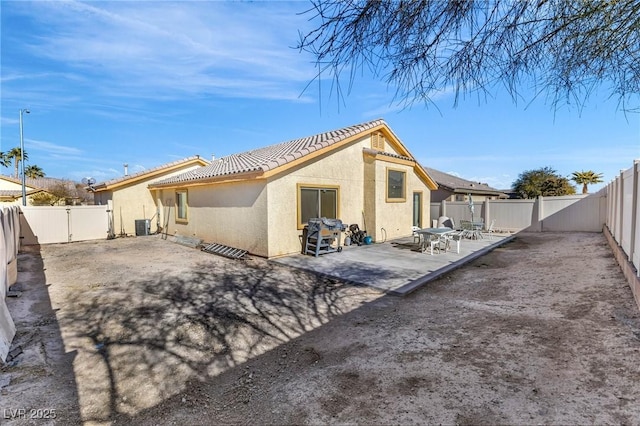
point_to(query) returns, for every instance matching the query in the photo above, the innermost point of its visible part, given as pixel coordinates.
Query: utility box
(143, 227)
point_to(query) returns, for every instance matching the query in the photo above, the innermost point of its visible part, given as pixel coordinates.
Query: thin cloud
(100, 175)
(169, 49)
(52, 148)
(9, 121)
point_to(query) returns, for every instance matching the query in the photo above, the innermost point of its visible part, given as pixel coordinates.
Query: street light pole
(24, 188)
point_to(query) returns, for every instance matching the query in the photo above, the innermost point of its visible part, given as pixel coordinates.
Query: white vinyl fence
(9, 243)
(63, 224)
(623, 214)
(585, 213)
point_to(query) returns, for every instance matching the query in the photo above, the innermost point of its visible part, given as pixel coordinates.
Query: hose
(384, 238)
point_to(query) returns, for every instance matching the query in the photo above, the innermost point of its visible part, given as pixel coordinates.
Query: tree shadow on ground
(144, 340)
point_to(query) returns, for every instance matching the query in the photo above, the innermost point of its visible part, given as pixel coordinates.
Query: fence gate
(63, 224)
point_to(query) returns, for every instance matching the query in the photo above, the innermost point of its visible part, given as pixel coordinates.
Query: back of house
(260, 200)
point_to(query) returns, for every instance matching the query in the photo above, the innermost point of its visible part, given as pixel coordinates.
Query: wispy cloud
(52, 148)
(100, 175)
(159, 49)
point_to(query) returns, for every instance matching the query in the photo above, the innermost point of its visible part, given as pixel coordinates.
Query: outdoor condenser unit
(143, 227)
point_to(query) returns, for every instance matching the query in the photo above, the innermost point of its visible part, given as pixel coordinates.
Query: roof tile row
(270, 157)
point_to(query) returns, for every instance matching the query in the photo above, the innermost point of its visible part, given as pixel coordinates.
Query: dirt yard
(144, 331)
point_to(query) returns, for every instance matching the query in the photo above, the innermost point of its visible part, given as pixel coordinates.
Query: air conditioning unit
(143, 227)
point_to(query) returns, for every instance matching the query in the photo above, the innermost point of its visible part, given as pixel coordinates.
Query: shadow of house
(40, 371)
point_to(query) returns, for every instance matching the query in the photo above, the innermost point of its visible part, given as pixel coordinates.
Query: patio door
(417, 209)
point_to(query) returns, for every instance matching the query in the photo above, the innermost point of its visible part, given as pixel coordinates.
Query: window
(377, 141)
(181, 206)
(316, 202)
(396, 185)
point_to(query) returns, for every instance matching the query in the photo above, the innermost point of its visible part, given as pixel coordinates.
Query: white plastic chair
(455, 237)
(437, 242)
(490, 230)
(467, 229)
(416, 237)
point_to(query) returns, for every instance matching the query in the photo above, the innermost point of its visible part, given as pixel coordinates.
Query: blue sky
(146, 83)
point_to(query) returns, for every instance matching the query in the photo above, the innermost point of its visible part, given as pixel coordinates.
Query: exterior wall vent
(377, 141)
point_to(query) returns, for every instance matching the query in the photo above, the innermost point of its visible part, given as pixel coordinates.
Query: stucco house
(130, 196)
(11, 189)
(260, 200)
(454, 188)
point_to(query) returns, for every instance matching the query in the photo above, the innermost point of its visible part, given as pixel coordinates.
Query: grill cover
(317, 223)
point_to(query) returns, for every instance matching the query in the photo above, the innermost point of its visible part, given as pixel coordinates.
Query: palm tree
(34, 171)
(586, 178)
(5, 161)
(16, 155)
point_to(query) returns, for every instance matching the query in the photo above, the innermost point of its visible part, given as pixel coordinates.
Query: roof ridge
(456, 182)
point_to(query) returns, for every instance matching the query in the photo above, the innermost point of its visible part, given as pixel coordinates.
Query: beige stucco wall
(342, 168)
(362, 183)
(6, 185)
(394, 219)
(135, 201)
(233, 214)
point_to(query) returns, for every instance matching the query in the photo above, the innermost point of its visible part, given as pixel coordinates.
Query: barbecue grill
(322, 236)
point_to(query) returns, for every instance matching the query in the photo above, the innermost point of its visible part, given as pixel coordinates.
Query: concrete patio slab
(396, 267)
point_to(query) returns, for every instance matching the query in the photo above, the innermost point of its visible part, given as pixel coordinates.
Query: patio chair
(489, 231)
(416, 237)
(436, 242)
(455, 237)
(466, 229)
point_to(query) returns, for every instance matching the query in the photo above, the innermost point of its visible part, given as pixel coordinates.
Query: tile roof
(386, 154)
(456, 184)
(270, 157)
(50, 183)
(13, 193)
(122, 179)
(43, 183)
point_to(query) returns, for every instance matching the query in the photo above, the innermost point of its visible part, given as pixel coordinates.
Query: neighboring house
(260, 200)
(11, 189)
(453, 188)
(131, 197)
(510, 193)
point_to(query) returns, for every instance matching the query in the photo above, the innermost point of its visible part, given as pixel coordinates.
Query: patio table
(441, 233)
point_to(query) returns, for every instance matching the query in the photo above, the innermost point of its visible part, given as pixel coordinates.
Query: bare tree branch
(565, 48)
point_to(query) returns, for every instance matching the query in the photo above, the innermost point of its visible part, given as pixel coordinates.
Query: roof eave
(236, 177)
(134, 179)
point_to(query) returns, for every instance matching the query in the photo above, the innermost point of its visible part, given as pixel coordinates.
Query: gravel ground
(143, 331)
